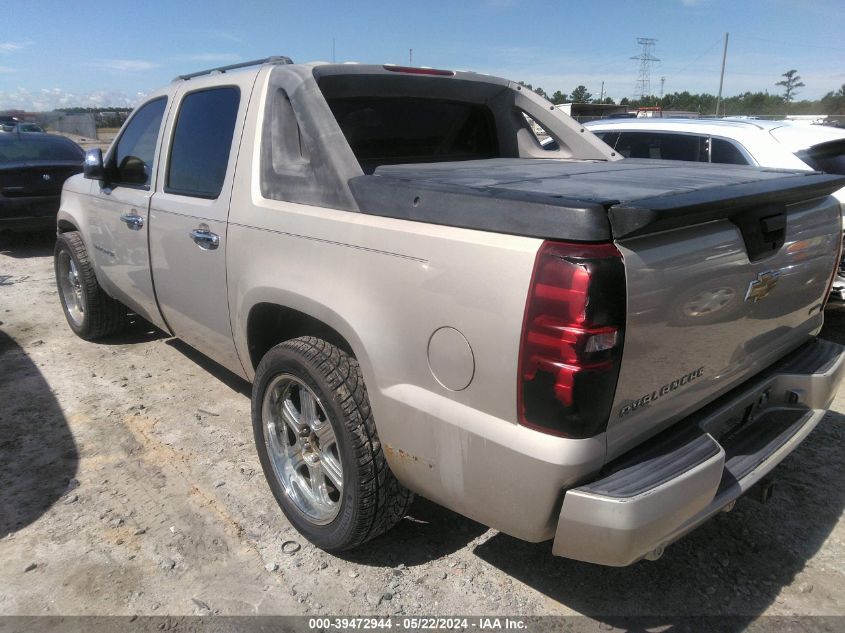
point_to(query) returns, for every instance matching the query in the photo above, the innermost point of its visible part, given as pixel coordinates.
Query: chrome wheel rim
(709, 301)
(302, 448)
(71, 288)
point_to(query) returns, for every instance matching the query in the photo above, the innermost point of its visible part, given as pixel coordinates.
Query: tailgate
(713, 303)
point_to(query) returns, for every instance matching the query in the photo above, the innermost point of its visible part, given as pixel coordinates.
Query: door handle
(132, 220)
(205, 239)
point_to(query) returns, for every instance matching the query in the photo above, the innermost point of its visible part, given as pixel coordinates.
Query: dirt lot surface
(129, 485)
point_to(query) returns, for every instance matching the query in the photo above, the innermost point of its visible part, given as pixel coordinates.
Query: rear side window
(202, 142)
(722, 151)
(409, 130)
(829, 157)
(133, 157)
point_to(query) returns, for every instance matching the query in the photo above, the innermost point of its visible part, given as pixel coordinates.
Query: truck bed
(578, 200)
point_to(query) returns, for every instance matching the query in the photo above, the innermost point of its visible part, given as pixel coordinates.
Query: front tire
(89, 311)
(318, 446)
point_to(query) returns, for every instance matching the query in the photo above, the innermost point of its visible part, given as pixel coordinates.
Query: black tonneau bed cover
(579, 200)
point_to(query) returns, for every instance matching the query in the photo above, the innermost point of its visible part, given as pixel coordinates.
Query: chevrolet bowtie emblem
(762, 286)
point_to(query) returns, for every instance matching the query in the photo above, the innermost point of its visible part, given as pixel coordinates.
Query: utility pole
(410, 57)
(643, 85)
(722, 76)
(601, 96)
(662, 81)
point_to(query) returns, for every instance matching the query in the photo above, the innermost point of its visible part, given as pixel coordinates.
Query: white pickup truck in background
(426, 300)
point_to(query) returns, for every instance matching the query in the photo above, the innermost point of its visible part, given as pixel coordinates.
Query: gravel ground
(129, 485)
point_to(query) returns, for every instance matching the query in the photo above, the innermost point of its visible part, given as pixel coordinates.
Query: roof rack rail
(277, 59)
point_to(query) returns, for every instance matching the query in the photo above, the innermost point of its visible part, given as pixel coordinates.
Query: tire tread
(104, 315)
(383, 501)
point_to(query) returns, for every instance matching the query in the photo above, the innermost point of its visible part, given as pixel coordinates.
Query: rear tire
(89, 311)
(318, 446)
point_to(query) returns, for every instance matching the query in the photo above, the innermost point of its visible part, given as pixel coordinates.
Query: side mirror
(93, 166)
(133, 171)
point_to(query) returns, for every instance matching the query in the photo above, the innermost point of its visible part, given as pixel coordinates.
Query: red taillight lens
(572, 338)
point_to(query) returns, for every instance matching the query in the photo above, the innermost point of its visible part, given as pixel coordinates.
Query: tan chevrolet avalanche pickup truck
(558, 343)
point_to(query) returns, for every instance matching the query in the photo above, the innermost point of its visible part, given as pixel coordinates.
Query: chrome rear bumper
(655, 494)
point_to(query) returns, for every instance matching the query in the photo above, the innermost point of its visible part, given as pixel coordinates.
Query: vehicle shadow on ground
(734, 565)
(20, 245)
(137, 331)
(38, 455)
(228, 378)
(428, 532)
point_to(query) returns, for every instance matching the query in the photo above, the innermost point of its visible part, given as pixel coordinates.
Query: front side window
(132, 162)
(202, 142)
(663, 146)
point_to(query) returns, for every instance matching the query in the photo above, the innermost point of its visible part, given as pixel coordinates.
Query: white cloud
(48, 99)
(11, 47)
(124, 65)
(7, 69)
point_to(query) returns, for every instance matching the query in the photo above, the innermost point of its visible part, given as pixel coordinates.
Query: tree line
(79, 110)
(748, 103)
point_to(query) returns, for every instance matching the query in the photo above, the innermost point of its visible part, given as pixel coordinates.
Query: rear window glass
(38, 149)
(410, 130)
(829, 157)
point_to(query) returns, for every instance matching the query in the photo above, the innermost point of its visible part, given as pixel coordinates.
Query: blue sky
(56, 53)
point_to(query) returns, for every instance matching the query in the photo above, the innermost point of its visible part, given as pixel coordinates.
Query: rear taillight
(572, 339)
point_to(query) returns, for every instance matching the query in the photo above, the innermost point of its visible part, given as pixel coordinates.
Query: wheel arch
(64, 225)
(271, 319)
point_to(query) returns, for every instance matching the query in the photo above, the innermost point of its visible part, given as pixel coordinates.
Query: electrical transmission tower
(646, 58)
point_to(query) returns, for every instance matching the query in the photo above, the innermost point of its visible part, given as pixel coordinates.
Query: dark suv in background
(33, 168)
